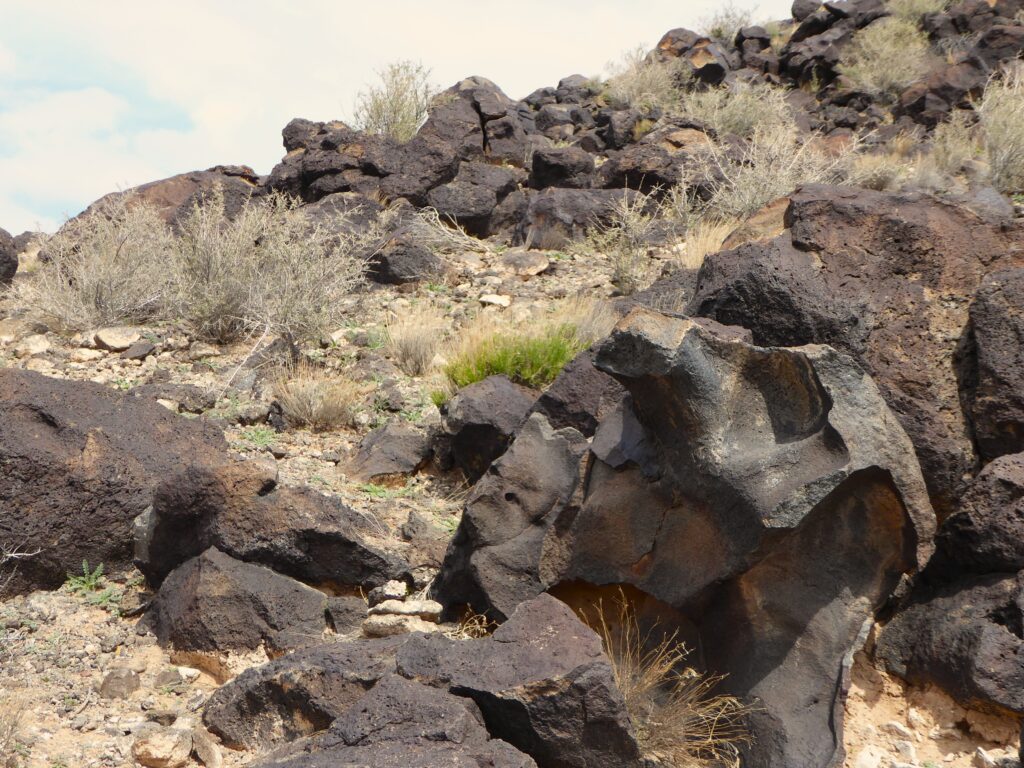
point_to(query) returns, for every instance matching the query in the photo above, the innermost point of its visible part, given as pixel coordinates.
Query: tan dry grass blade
(414, 337)
(705, 237)
(316, 397)
(679, 719)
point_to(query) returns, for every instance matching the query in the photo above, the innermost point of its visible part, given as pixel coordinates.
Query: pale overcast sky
(98, 96)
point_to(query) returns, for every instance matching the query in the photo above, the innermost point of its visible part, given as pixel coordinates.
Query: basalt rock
(580, 397)
(887, 278)
(8, 257)
(767, 494)
(240, 510)
(557, 216)
(69, 445)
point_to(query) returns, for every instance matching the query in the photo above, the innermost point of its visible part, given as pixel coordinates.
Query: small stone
(163, 748)
(169, 678)
(140, 350)
(525, 263)
(30, 346)
(906, 750)
(427, 610)
(84, 355)
(206, 748)
(983, 759)
(162, 716)
(189, 674)
(496, 299)
(387, 625)
(200, 350)
(116, 339)
(389, 590)
(898, 729)
(119, 684)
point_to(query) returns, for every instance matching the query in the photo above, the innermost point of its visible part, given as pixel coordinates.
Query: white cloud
(239, 72)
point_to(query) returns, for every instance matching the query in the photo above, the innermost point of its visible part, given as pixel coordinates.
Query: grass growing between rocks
(315, 397)
(867, 59)
(530, 353)
(679, 720)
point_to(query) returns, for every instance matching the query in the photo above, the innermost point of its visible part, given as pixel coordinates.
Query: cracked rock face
(767, 494)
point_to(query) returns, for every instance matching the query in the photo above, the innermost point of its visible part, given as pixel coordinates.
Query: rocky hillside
(672, 420)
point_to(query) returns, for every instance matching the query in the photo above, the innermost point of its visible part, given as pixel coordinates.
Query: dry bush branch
(398, 105)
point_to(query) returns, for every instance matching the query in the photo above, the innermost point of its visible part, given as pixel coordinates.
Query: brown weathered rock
(238, 509)
(993, 368)
(80, 446)
(886, 278)
(542, 682)
(392, 452)
(214, 603)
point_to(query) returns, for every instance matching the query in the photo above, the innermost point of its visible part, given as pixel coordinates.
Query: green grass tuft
(532, 360)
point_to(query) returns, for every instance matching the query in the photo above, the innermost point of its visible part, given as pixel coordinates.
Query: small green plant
(440, 397)
(531, 360)
(375, 491)
(258, 437)
(88, 582)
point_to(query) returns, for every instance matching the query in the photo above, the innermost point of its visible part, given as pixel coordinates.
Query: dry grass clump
(884, 171)
(623, 236)
(867, 61)
(399, 103)
(268, 269)
(774, 162)
(106, 267)
(441, 236)
(312, 396)
(725, 22)
(740, 109)
(705, 236)
(679, 720)
(645, 83)
(414, 336)
(1001, 117)
(532, 352)
(10, 723)
(913, 10)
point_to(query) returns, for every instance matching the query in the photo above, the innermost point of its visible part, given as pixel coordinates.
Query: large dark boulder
(993, 368)
(986, 535)
(542, 682)
(480, 421)
(392, 452)
(403, 724)
(887, 278)
(403, 260)
(966, 639)
(561, 167)
(78, 463)
(299, 694)
(646, 167)
(175, 197)
(239, 510)
(767, 494)
(580, 397)
(8, 257)
(214, 603)
(557, 216)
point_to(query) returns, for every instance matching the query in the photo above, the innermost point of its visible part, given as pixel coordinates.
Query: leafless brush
(399, 103)
(679, 720)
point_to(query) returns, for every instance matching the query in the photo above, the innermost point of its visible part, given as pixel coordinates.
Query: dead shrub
(679, 720)
(725, 22)
(268, 269)
(644, 83)
(106, 267)
(624, 236)
(739, 109)
(868, 59)
(414, 336)
(10, 724)
(398, 105)
(313, 396)
(913, 10)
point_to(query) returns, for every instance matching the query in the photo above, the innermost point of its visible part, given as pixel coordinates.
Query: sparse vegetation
(268, 269)
(725, 22)
(867, 61)
(313, 396)
(1001, 117)
(624, 236)
(913, 10)
(740, 109)
(10, 723)
(645, 83)
(705, 236)
(108, 266)
(87, 581)
(399, 103)
(679, 719)
(414, 337)
(730, 185)
(257, 437)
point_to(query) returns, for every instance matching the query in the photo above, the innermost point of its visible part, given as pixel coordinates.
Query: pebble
(116, 339)
(496, 299)
(119, 684)
(388, 625)
(163, 748)
(389, 590)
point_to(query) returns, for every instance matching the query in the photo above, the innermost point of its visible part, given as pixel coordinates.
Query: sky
(106, 95)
